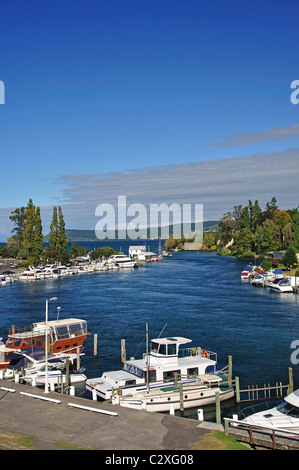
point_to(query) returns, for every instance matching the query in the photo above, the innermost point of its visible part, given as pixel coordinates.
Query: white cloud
(217, 184)
(235, 140)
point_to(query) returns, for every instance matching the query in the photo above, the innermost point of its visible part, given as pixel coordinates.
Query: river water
(196, 295)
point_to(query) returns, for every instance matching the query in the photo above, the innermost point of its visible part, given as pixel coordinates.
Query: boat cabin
(64, 335)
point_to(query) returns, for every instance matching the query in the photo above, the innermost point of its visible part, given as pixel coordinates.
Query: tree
(38, 243)
(62, 241)
(266, 237)
(53, 235)
(18, 217)
(244, 240)
(290, 258)
(246, 222)
(294, 213)
(58, 242)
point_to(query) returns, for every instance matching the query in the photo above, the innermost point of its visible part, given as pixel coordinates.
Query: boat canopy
(277, 271)
(168, 346)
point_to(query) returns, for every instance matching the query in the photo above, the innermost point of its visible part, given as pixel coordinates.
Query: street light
(46, 344)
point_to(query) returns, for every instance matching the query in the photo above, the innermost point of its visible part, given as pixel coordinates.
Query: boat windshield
(288, 409)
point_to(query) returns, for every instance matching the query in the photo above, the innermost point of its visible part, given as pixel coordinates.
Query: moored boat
(66, 335)
(202, 391)
(159, 370)
(285, 416)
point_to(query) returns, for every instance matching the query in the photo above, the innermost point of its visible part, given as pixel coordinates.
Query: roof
(62, 322)
(172, 340)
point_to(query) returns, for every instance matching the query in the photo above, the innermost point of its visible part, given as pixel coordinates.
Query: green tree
(38, 243)
(18, 217)
(294, 213)
(266, 237)
(246, 222)
(244, 240)
(290, 258)
(53, 236)
(62, 241)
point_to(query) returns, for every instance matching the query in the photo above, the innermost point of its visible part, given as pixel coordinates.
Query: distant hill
(76, 235)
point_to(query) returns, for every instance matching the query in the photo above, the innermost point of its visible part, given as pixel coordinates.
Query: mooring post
(123, 350)
(67, 379)
(237, 382)
(291, 382)
(230, 369)
(78, 358)
(218, 412)
(95, 344)
(181, 398)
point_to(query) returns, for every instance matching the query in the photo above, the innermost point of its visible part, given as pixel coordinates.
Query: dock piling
(95, 344)
(123, 351)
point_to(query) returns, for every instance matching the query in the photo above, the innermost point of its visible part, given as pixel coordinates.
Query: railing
(261, 431)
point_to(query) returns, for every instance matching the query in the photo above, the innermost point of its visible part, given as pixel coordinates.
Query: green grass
(218, 440)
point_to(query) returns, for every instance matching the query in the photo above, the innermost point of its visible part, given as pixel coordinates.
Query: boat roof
(293, 398)
(172, 340)
(61, 322)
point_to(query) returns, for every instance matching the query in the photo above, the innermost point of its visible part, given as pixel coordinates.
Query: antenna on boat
(162, 330)
(58, 312)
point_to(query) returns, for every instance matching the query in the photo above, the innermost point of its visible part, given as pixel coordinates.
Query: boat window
(17, 343)
(288, 409)
(75, 329)
(155, 347)
(162, 349)
(193, 371)
(130, 382)
(171, 349)
(211, 369)
(169, 375)
(61, 332)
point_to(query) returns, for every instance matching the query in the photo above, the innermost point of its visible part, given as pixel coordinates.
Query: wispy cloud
(235, 140)
(217, 184)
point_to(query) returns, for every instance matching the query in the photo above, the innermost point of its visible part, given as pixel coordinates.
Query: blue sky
(100, 94)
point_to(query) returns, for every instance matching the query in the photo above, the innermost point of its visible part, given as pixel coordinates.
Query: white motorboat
(285, 416)
(32, 365)
(31, 274)
(123, 261)
(160, 368)
(199, 392)
(280, 285)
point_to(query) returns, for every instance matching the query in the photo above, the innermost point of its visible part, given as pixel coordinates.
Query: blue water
(198, 295)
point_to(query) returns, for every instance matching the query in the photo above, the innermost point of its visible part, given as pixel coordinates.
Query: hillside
(77, 235)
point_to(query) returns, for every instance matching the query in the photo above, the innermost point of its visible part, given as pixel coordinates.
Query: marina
(196, 294)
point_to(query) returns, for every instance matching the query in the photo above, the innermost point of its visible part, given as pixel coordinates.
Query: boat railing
(198, 351)
(19, 331)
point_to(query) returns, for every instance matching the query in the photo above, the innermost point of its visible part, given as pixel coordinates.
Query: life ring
(205, 354)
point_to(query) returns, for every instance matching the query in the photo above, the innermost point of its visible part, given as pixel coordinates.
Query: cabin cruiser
(123, 261)
(281, 285)
(159, 369)
(284, 417)
(65, 335)
(31, 274)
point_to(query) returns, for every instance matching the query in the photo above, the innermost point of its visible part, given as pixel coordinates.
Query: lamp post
(46, 345)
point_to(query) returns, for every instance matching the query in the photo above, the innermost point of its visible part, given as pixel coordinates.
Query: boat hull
(170, 400)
